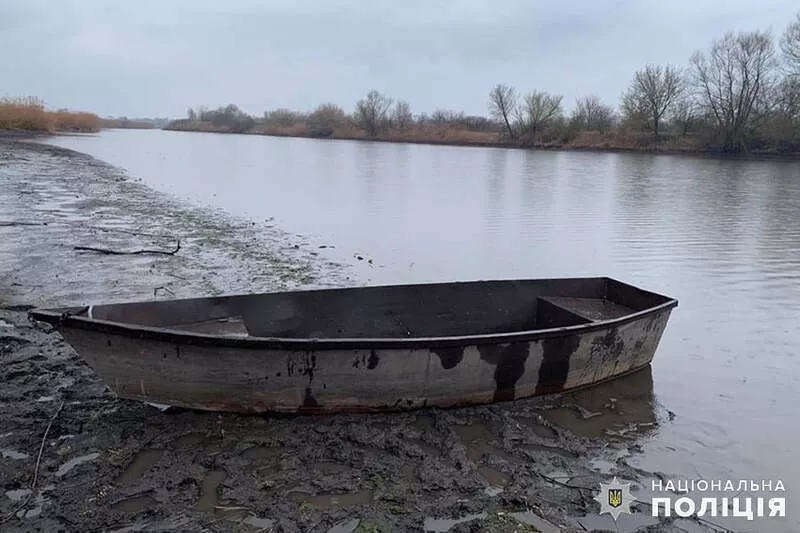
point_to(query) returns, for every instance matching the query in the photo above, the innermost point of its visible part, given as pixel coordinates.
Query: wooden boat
(369, 348)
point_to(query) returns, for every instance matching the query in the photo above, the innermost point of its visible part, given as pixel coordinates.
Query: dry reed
(29, 114)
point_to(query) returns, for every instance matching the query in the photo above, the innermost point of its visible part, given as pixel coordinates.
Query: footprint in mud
(538, 428)
(330, 468)
(428, 450)
(261, 453)
(495, 478)
(135, 504)
(216, 445)
(9, 343)
(143, 461)
(537, 449)
(476, 439)
(330, 501)
(208, 490)
(188, 440)
(424, 423)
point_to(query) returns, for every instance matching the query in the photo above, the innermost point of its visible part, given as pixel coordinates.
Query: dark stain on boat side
(509, 360)
(373, 360)
(556, 353)
(608, 347)
(311, 365)
(309, 400)
(450, 357)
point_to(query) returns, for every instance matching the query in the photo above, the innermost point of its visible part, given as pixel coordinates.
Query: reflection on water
(721, 236)
(623, 405)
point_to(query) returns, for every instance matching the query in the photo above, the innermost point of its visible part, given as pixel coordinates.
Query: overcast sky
(158, 57)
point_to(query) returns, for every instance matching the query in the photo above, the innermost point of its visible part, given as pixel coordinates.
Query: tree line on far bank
(741, 94)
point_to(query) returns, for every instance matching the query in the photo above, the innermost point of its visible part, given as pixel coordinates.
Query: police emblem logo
(615, 498)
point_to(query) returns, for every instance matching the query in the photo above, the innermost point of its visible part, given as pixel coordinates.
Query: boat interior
(397, 311)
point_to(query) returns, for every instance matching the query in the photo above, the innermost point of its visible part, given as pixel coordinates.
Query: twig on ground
(6, 223)
(134, 252)
(27, 499)
(165, 289)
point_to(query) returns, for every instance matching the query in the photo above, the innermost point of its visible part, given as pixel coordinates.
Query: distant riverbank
(447, 136)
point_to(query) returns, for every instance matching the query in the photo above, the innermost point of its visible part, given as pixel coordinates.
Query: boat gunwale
(59, 320)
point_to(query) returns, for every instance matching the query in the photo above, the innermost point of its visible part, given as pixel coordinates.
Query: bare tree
(538, 111)
(281, 117)
(684, 115)
(191, 115)
(591, 114)
(325, 119)
(447, 118)
(372, 113)
(790, 46)
(788, 98)
(652, 92)
(401, 115)
(733, 80)
(503, 106)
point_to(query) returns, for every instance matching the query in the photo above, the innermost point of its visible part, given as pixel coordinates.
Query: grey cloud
(157, 58)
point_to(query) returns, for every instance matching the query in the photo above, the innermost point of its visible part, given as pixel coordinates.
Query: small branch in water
(5, 223)
(27, 499)
(135, 252)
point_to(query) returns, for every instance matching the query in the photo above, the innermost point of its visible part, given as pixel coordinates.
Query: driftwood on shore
(108, 251)
(11, 223)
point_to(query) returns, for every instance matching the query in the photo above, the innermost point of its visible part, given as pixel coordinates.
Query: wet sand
(117, 465)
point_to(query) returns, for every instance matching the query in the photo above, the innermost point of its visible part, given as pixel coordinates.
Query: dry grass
(295, 130)
(23, 114)
(75, 122)
(455, 136)
(197, 126)
(592, 140)
(444, 135)
(29, 114)
(420, 135)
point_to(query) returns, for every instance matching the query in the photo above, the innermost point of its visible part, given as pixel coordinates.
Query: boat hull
(240, 378)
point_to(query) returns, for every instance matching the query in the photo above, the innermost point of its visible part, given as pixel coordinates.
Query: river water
(721, 236)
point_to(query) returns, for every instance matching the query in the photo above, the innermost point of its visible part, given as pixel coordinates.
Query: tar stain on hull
(450, 357)
(509, 361)
(608, 347)
(556, 353)
(309, 400)
(372, 362)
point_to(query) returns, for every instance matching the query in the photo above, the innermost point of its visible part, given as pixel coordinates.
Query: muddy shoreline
(117, 465)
